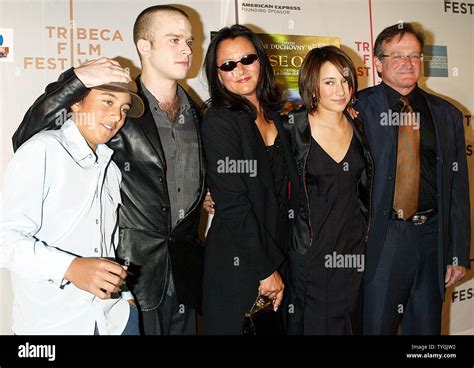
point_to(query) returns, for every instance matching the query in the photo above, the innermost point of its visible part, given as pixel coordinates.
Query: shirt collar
(153, 102)
(183, 98)
(80, 151)
(393, 96)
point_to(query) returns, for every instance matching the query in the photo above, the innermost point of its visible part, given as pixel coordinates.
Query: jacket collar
(148, 126)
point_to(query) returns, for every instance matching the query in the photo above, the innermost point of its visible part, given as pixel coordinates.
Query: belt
(418, 218)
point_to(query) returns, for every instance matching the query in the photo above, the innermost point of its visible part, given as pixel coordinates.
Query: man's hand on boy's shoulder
(96, 72)
(98, 276)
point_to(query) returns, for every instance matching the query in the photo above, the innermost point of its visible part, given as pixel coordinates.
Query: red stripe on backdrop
(71, 30)
(372, 42)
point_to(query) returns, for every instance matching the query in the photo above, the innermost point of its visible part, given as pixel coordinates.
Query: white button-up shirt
(60, 201)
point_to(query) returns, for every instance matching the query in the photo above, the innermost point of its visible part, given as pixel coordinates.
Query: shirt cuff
(127, 295)
(60, 262)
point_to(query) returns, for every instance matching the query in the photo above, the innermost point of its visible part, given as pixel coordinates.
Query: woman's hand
(273, 287)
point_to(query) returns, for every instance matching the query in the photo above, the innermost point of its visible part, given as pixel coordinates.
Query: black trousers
(405, 288)
(170, 318)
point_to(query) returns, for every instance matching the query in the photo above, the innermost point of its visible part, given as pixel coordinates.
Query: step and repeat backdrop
(41, 39)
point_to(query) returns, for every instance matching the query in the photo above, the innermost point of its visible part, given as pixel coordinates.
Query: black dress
(279, 168)
(334, 265)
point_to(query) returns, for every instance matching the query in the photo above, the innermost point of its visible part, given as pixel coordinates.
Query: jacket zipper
(371, 190)
(307, 197)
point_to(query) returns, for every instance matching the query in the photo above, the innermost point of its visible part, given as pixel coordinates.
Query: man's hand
(352, 112)
(98, 276)
(94, 73)
(454, 274)
(209, 204)
(273, 287)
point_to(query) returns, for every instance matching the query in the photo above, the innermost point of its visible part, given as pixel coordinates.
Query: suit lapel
(381, 110)
(148, 126)
(438, 115)
(290, 158)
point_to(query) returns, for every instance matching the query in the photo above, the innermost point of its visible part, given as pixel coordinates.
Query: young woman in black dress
(326, 256)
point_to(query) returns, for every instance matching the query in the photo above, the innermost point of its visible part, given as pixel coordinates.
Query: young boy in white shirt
(58, 223)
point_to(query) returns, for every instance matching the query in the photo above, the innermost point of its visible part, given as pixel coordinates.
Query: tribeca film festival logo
(231, 166)
(458, 7)
(72, 45)
(37, 351)
(335, 260)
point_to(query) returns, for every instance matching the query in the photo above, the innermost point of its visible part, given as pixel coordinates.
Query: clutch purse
(261, 319)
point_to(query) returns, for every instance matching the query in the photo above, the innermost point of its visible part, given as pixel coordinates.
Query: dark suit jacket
(452, 178)
(147, 239)
(242, 246)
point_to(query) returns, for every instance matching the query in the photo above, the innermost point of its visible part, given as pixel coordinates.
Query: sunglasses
(231, 65)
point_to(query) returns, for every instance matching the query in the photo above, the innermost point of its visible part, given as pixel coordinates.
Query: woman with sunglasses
(248, 157)
(326, 254)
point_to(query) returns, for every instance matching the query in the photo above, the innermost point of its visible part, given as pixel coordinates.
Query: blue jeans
(132, 328)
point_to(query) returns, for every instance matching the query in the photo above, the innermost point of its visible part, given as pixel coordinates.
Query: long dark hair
(267, 92)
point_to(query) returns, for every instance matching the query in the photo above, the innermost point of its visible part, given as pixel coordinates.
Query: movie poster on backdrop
(286, 53)
(348, 22)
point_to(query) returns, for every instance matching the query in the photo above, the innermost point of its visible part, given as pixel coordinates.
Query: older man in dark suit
(419, 241)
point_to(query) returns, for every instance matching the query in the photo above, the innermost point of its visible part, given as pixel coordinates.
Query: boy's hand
(98, 276)
(94, 73)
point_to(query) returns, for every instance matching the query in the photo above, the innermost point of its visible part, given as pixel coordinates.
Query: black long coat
(241, 246)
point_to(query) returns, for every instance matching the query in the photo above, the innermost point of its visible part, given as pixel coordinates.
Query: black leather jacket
(297, 126)
(147, 239)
